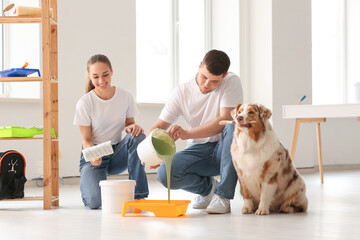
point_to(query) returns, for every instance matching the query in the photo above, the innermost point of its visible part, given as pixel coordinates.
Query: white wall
(276, 61)
(275, 70)
(88, 27)
(291, 59)
(225, 30)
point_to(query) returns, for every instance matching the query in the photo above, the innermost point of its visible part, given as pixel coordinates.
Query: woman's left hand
(134, 129)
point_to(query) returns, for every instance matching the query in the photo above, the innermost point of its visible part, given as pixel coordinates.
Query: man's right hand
(176, 132)
(151, 167)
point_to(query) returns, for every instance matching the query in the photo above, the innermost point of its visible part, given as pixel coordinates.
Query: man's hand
(151, 167)
(176, 132)
(134, 129)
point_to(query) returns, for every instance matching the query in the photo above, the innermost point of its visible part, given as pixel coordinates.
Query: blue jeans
(193, 167)
(124, 157)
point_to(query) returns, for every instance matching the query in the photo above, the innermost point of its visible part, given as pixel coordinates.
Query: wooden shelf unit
(50, 100)
(21, 79)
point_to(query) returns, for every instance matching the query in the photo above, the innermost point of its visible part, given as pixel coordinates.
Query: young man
(203, 102)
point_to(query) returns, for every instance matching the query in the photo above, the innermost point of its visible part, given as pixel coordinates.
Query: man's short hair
(217, 62)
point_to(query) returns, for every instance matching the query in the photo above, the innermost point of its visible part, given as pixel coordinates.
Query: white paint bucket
(155, 146)
(114, 193)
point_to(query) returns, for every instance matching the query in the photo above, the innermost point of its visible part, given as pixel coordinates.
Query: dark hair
(94, 59)
(217, 62)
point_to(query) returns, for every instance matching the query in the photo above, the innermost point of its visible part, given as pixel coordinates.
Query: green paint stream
(165, 148)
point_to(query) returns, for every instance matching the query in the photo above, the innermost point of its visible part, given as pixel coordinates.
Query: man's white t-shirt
(106, 117)
(197, 108)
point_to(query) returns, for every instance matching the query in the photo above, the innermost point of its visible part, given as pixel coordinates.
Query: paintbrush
(224, 122)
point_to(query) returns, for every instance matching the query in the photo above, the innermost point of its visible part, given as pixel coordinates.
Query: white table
(317, 114)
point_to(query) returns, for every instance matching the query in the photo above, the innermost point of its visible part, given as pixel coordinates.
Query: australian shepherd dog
(269, 181)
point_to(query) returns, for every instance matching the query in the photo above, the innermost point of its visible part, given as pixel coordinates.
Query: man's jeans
(125, 157)
(192, 168)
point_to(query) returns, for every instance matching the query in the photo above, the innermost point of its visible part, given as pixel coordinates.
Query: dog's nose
(239, 118)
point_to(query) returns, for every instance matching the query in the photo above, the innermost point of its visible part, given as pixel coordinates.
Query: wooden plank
(16, 19)
(20, 79)
(54, 112)
(25, 199)
(19, 138)
(311, 119)
(318, 136)
(295, 138)
(33, 138)
(47, 143)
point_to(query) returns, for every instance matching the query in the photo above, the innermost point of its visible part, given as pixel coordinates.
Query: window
(170, 39)
(336, 51)
(20, 43)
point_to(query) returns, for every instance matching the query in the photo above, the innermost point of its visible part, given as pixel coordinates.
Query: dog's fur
(269, 182)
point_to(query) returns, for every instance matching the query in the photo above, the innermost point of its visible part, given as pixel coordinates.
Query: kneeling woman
(102, 114)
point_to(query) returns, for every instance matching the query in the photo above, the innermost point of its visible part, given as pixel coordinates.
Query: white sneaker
(201, 202)
(218, 205)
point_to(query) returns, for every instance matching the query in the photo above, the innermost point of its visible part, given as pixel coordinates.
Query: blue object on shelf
(18, 72)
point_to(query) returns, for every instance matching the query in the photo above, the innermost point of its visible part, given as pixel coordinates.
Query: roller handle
(8, 7)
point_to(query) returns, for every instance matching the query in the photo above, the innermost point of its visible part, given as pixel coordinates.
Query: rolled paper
(30, 11)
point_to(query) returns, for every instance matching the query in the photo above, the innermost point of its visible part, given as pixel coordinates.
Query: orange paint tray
(161, 208)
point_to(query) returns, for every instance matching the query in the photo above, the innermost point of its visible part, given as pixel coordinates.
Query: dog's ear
(265, 113)
(234, 111)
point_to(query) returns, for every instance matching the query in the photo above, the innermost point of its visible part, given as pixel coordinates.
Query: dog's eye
(251, 112)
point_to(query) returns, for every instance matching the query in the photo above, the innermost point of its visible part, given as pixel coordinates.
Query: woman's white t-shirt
(197, 108)
(106, 117)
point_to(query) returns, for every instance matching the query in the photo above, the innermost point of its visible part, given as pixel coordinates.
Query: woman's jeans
(193, 168)
(125, 157)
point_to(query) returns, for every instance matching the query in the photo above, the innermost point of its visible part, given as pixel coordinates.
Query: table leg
(319, 152)
(295, 137)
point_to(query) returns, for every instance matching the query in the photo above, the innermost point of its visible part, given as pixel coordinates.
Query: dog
(269, 181)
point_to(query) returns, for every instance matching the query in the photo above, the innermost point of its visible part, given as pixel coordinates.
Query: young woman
(102, 114)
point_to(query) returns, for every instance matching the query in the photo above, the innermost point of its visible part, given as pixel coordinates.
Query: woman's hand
(177, 132)
(96, 162)
(134, 129)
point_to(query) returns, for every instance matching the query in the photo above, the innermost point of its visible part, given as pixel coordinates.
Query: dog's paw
(247, 210)
(287, 209)
(262, 211)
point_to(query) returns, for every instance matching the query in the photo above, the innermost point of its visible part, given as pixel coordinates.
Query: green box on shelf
(21, 132)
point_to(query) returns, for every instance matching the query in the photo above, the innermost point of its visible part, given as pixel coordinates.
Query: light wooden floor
(334, 213)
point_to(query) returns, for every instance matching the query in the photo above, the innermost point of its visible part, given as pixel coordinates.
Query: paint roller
(98, 151)
(25, 11)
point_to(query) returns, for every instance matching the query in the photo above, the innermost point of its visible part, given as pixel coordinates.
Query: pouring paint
(158, 147)
(165, 148)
